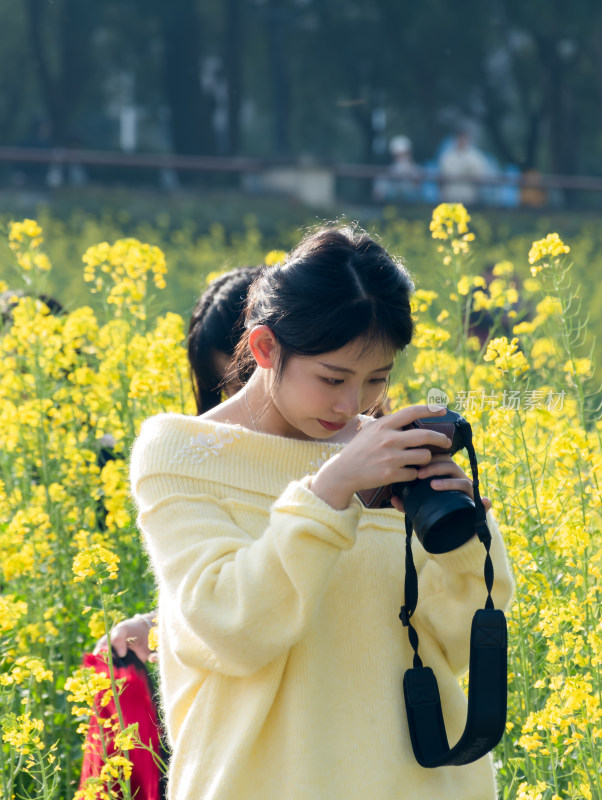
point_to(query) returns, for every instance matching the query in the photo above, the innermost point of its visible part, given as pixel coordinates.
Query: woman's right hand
(379, 454)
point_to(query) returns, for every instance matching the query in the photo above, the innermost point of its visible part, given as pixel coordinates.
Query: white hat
(400, 144)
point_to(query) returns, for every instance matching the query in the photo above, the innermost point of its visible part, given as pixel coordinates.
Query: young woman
(281, 651)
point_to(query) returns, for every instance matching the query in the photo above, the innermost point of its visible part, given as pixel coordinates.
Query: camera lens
(442, 521)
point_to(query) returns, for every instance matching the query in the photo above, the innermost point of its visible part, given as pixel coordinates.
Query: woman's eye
(331, 381)
(379, 380)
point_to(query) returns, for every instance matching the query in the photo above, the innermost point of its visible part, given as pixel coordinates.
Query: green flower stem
(567, 342)
(541, 526)
(114, 688)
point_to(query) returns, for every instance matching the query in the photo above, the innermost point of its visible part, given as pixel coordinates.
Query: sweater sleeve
(233, 603)
(452, 587)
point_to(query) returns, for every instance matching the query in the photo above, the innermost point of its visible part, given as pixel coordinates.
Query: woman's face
(319, 395)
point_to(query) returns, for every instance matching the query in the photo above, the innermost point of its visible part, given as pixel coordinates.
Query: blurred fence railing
(311, 181)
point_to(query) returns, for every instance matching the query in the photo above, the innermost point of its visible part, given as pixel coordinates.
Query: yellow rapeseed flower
(26, 667)
(128, 265)
(86, 687)
(550, 306)
(449, 220)
(94, 789)
(578, 367)
(503, 268)
(25, 232)
(550, 247)
(96, 625)
(464, 285)
(127, 739)
(22, 732)
(212, 276)
(524, 327)
(116, 768)
(429, 336)
(481, 301)
(506, 355)
(274, 257)
(526, 792)
(153, 638)
(12, 610)
(422, 299)
(97, 561)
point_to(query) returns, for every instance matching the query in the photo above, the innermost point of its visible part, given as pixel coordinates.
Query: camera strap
(487, 681)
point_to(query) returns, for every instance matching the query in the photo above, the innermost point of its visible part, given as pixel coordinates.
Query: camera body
(442, 520)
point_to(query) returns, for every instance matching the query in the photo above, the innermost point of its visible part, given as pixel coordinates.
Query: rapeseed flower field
(505, 352)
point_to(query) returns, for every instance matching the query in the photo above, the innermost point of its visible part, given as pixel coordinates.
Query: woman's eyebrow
(351, 371)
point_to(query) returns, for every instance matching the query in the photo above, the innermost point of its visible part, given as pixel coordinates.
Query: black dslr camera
(442, 520)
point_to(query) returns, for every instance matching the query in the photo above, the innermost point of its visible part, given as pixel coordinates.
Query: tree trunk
(276, 19)
(233, 68)
(62, 91)
(191, 128)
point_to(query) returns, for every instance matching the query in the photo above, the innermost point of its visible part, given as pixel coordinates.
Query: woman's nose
(348, 404)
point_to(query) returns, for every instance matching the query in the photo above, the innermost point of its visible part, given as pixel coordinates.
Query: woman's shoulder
(227, 454)
(166, 424)
(171, 442)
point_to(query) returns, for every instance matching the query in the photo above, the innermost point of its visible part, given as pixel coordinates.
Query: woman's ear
(263, 346)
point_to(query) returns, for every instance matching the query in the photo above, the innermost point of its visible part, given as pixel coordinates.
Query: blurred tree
(539, 77)
(18, 96)
(190, 109)
(351, 32)
(233, 54)
(61, 45)
(328, 78)
(431, 58)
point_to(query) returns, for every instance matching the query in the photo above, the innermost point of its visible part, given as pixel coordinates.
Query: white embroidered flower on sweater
(202, 445)
(323, 458)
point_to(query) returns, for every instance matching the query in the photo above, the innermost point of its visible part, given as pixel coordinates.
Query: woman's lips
(332, 426)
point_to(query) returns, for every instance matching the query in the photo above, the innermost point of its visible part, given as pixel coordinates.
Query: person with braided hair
(215, 326)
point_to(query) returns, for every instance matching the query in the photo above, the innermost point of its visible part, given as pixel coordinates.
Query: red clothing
(137, 705)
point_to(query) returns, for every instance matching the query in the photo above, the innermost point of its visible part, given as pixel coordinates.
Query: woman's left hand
(455, 478)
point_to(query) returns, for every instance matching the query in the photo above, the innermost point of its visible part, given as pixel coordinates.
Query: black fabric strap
(487, 682)
(480, 523)
(410, 594)
(487, 695)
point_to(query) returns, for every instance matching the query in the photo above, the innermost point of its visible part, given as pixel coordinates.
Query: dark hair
(216, 325)
(337, 285)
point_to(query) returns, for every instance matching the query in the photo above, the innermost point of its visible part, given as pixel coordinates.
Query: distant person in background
(533, 194)
(462, 167)
(403, 179)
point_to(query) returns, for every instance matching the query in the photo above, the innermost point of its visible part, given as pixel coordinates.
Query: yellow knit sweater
(281, 652)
